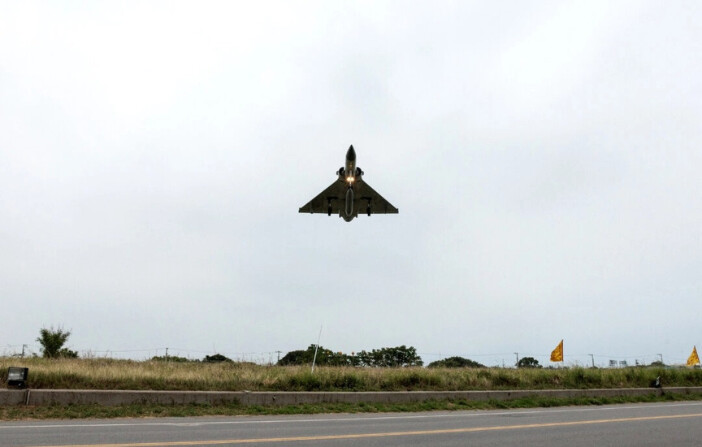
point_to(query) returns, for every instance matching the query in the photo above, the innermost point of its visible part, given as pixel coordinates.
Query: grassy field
(110, 374)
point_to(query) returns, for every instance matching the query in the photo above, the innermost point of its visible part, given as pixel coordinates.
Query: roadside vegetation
(111, 374)
(97, 411)
(384, 369)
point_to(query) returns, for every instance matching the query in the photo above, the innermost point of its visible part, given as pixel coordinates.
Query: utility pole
(23, 346)
(166, 354)
(517, 364)
(278, 355)
(593, 360)
(661, 356)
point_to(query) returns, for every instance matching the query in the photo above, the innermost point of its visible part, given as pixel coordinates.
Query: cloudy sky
(545, 158)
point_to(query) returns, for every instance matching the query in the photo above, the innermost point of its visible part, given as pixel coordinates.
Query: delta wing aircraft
(349, 195)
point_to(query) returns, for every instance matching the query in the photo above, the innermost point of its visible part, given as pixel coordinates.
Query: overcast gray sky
(545, 158)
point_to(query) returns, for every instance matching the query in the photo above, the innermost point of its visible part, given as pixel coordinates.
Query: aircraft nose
(351, 154)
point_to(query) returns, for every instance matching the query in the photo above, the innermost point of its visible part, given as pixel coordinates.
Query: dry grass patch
(109, 374)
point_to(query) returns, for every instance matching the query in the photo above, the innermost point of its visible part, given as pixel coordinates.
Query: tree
(52, 341)
(456, 362)
(400, 356)
(324, 357)
(528, 362)
(298, 357)
(385, 357)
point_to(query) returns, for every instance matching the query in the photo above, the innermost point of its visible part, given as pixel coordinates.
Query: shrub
(169, 358)
(528, 362)
(217, 358)
(455, 362)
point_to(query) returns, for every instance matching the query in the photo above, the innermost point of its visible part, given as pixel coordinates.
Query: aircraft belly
(349, 202)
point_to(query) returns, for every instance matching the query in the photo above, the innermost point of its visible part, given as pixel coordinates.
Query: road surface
(658, 424)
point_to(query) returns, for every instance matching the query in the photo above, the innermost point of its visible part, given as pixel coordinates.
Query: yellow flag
(693, 359)
(557, 354)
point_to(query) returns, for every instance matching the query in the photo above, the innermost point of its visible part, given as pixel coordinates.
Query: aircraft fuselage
(350, 175)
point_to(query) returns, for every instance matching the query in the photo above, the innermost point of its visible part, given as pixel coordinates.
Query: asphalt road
(678, 424)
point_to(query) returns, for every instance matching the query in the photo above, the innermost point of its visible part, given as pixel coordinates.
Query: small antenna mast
(316, 348)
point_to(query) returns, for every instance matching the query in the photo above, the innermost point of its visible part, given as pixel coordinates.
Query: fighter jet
(349, 195)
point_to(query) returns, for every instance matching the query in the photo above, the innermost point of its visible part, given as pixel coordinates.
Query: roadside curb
(126, 397)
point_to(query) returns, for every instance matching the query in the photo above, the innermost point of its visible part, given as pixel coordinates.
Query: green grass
(111, 374)
(96, 411)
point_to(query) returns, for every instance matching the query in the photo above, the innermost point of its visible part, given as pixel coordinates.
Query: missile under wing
(349, 195)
